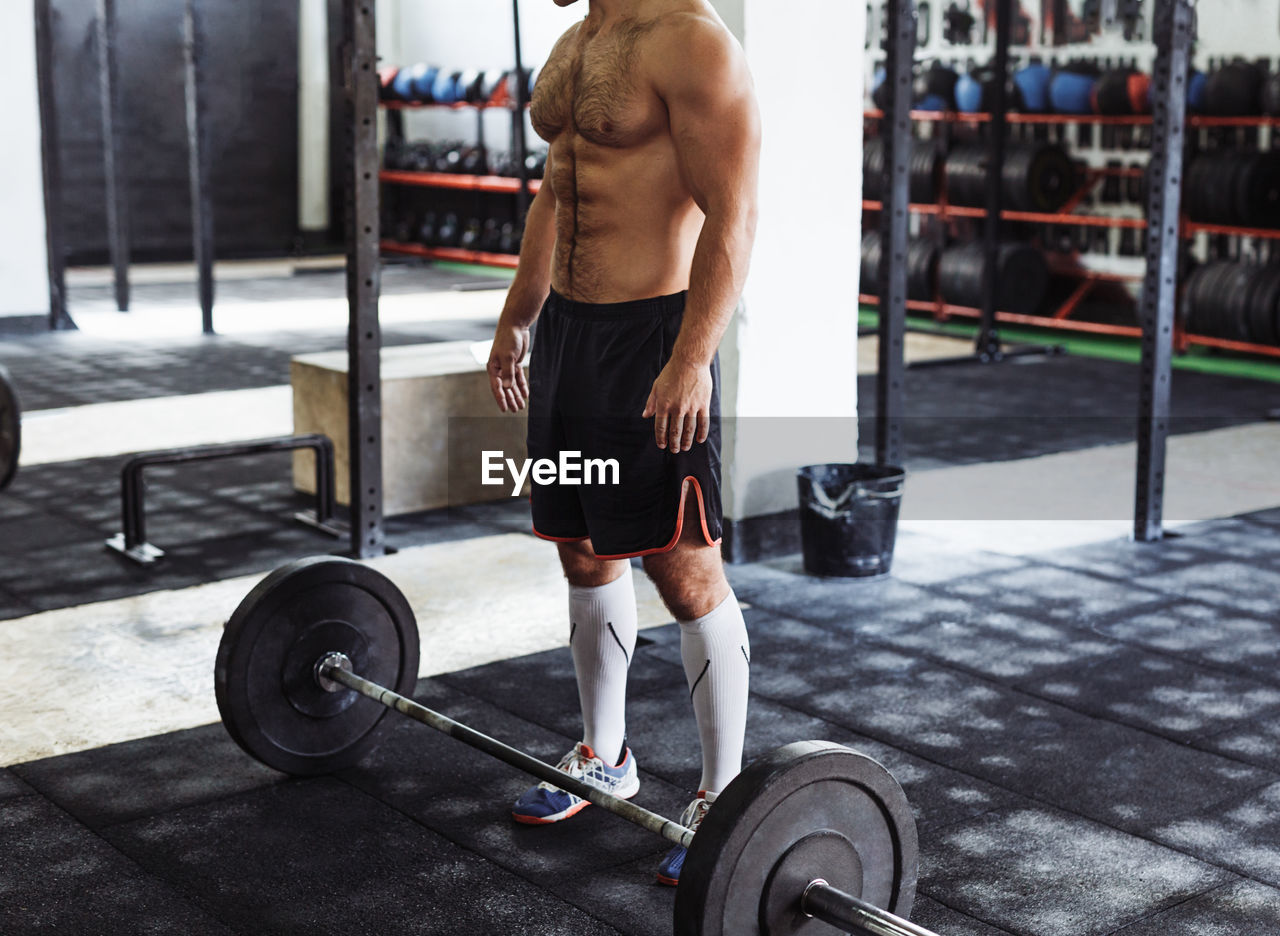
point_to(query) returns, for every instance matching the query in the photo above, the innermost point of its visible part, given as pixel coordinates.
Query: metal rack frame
(116, 191)
(359, 77)
(1174, 25)
(1173, 35)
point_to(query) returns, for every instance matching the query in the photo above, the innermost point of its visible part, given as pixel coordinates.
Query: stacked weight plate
(1037, 176)
(922, 266)
(1235, 301)
(925, 168)
(1235, 189)
(1022, 278)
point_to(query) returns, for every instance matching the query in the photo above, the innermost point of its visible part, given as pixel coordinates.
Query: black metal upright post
(364, 337)
(51, 165)
(900, 47)
(198, 159)
(517, 119)
(988, 342)
(1174, 22)
(113, 152)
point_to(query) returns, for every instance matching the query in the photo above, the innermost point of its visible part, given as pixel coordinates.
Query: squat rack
(1173, 33)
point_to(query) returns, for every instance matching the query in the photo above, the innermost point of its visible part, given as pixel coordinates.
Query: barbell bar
(336, 668)
(808, 837)
(832, 905)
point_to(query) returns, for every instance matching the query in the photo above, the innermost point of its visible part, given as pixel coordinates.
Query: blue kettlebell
(968, 94)
(422, 79)
(1033, 83)
(879, 93)
(1197, 91)
(1072, 92)
(402, 85)
(446, 87)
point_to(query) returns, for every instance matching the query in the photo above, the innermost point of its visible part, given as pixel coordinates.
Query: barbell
(808, 837)
(10, 429)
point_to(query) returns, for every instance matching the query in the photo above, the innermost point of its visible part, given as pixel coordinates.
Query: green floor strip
(1127, 350)
(475, 269)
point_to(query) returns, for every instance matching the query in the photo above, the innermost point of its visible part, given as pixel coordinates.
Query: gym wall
(252, 85)
(22, 228)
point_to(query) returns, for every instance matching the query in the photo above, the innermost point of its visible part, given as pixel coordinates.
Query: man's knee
(690, 578)
(583, 568)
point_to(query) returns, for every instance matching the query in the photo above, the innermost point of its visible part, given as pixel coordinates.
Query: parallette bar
(834, 906)
(642, 817)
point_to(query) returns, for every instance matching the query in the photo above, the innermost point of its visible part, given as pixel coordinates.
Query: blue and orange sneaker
(691, 818)
(545, 803)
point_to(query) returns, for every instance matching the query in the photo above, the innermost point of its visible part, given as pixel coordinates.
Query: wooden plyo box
(438, 415)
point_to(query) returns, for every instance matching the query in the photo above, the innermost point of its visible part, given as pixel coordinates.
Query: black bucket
(849, 518)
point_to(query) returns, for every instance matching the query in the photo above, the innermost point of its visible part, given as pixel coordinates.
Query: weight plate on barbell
(808, 810)
(265, 675)
(10, 430)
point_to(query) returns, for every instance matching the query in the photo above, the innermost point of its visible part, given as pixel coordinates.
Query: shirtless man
(635, 254)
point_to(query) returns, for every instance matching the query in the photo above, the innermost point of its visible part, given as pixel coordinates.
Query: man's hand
(680, 403)
(506, 375)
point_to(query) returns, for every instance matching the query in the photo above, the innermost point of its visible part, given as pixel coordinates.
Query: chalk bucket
(849, 518)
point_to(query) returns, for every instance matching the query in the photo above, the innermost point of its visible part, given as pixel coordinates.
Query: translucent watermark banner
(963, 468)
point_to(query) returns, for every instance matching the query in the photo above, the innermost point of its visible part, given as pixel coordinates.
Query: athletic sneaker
(691, 818)
(545, 803)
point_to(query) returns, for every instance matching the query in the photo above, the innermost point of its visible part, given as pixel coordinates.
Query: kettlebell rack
(519, 184)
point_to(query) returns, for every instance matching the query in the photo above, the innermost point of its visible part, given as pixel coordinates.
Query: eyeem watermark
(572, 470)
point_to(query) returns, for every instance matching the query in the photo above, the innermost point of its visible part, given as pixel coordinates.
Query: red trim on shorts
(558, 539)
(702, 514)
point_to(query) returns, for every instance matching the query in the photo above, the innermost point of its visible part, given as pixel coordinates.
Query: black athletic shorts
(590, 374)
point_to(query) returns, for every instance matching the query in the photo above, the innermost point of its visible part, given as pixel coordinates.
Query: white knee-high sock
(717, 660)
(602, 635)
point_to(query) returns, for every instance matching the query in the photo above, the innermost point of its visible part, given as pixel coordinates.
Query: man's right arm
(528, 291)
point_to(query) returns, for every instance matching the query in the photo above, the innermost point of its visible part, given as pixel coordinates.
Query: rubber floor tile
(320, 856)
(1040, 871)
(58, 877)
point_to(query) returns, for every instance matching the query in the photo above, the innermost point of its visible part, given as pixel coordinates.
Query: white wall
(24, 282)
(790, 357)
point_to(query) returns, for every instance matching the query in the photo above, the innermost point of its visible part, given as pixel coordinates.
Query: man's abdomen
(626, 228)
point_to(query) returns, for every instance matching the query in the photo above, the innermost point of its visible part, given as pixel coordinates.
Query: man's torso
(626, 224)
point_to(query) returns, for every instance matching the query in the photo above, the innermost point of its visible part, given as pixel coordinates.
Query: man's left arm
(716, 128)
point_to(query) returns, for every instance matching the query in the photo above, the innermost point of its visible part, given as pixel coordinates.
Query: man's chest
(592, 86)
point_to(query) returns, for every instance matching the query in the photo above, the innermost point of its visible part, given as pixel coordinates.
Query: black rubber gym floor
(1024, 407)
(1089, 742)
(1089, 739)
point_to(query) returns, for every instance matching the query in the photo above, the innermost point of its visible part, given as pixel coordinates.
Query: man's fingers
(704, 426)
(649, 409)
(660, 430)
(675, 432)
(495, 386)
(690, 430)
(522, 382)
